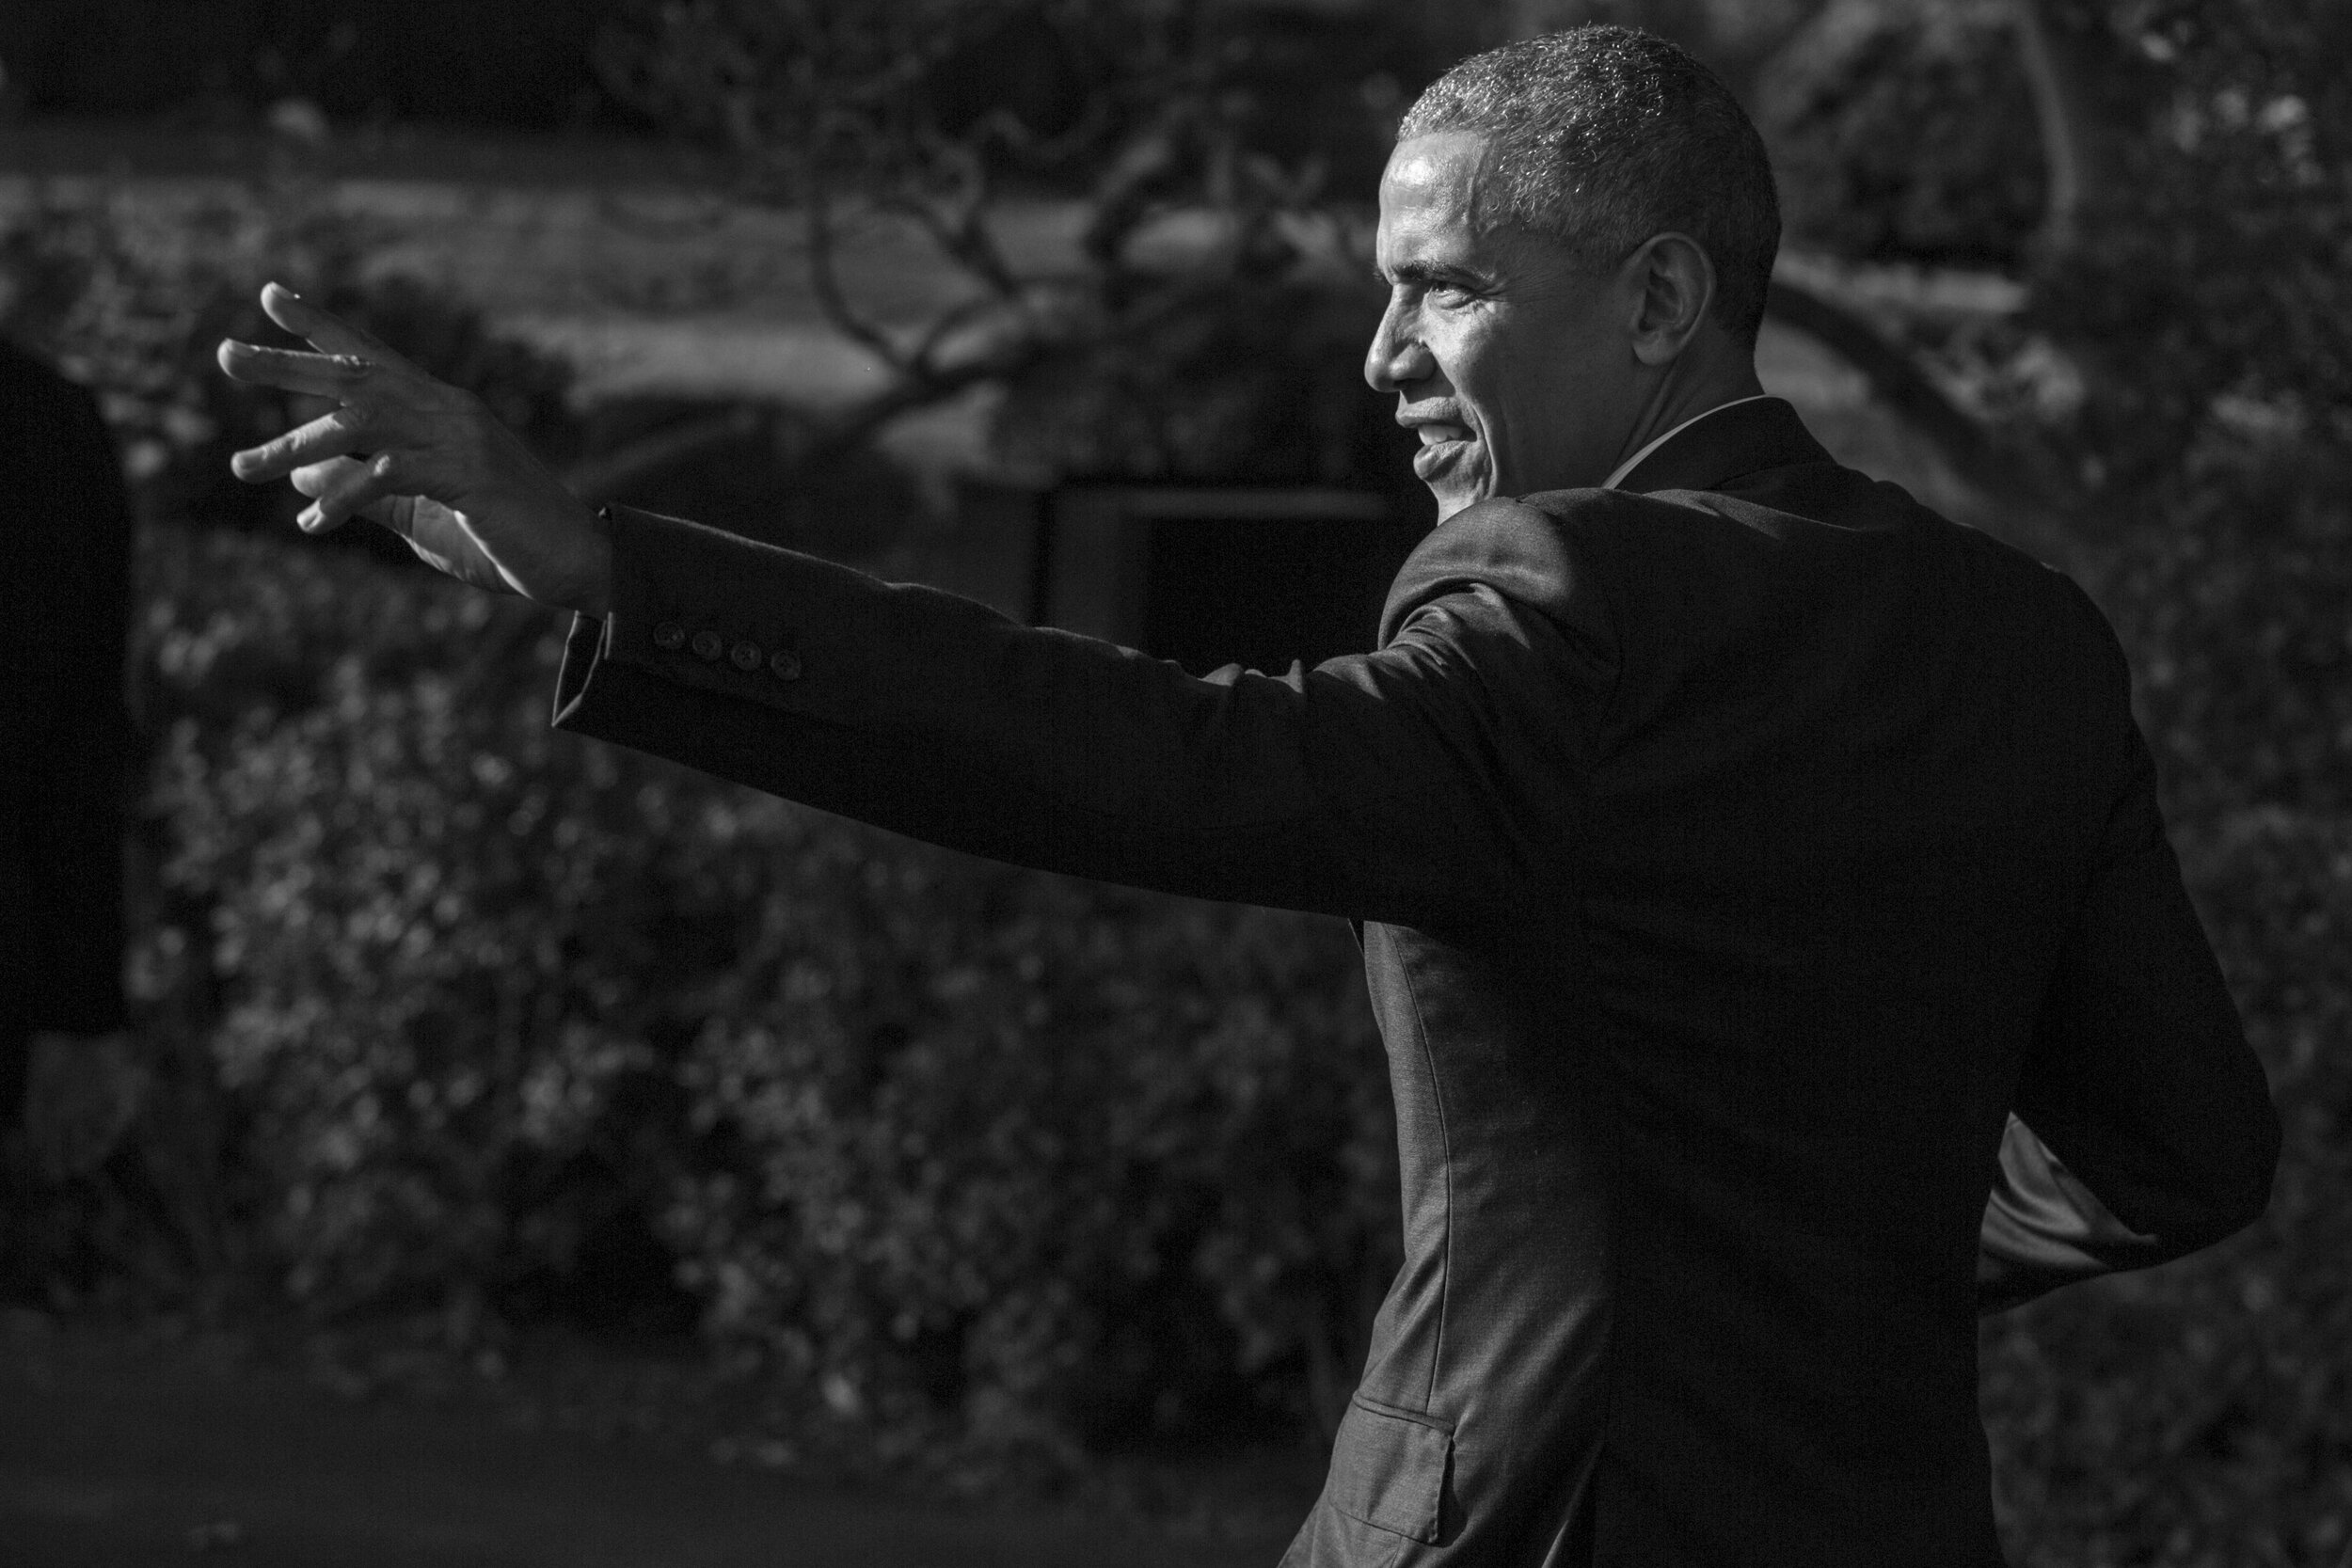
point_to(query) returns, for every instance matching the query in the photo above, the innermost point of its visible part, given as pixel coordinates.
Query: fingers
(346, 357)
(323, 332)
(314, 480)
(332, 434)
(346, 354)
(345, 488)
(318, 374)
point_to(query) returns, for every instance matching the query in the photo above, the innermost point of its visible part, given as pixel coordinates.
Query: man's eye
(1450, 293)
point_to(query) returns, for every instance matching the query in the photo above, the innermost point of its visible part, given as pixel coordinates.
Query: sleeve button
(708, 644)
(669, 637)
(785, 664)
(744, 655)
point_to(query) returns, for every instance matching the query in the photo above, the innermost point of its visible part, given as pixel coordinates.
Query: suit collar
(1734, 440)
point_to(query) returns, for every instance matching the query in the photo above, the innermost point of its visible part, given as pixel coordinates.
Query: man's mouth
(1443, 444)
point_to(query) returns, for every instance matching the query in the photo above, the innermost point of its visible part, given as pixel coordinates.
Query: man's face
(1516, 371)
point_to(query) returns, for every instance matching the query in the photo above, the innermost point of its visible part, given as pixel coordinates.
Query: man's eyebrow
(1424, 272)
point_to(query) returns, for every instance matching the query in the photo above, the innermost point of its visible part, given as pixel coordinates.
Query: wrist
(580, 579)
(595, 595)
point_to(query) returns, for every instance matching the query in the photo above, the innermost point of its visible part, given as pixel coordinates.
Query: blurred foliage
(131, 297)
(1266, 390)
(2204, 277)
(1205, 144)
(1905, 133)
(2213, 285)
(896, 99)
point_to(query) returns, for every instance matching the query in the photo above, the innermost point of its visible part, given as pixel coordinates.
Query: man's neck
(1687, 391)
(1640, 454)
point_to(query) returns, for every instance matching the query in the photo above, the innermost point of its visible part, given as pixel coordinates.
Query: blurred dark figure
(67, 1074)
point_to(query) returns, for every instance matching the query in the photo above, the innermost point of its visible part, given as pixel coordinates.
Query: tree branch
(1122, 196)
(845, 433)
(955, 222)
(926, 386)
(925, 358)
(825, 281)
(2058, 110)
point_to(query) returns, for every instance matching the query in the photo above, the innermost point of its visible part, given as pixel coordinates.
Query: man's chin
(1449, 474)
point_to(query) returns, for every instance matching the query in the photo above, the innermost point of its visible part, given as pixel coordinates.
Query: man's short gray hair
(1604, 136)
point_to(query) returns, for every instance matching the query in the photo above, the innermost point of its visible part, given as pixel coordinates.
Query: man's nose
(1397, 357)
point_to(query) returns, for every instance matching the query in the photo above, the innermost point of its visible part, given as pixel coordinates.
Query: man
(1734, 846)
(68, 1081)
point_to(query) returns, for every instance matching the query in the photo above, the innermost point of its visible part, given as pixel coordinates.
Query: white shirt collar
(1635, 461)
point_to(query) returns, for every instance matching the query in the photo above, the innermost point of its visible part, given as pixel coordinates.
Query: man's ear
(1675, 285)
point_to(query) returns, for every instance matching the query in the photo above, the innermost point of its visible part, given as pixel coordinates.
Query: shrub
(2201, 1412)
(1904, 132)
(961, 1151)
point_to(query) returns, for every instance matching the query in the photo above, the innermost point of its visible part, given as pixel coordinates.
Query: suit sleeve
(2143, 1128)
(1375, 786)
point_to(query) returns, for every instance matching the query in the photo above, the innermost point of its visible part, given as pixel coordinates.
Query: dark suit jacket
(1732, 853)
(65, 734)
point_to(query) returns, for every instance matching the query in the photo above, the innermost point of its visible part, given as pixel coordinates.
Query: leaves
(997, 1152)
(1153, 116)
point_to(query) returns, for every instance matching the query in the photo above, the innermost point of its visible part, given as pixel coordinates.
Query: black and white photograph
(1176, 784)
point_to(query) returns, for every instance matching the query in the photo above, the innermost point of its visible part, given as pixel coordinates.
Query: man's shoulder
(1819, 520)
(1524, 551)
(1566, 554)
(1701, 562)
(1558, 551)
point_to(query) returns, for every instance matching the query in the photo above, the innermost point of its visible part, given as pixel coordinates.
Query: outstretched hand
(423, 458)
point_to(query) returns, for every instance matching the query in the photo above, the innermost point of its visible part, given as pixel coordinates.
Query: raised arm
(1369, 787)
(1360, 787)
